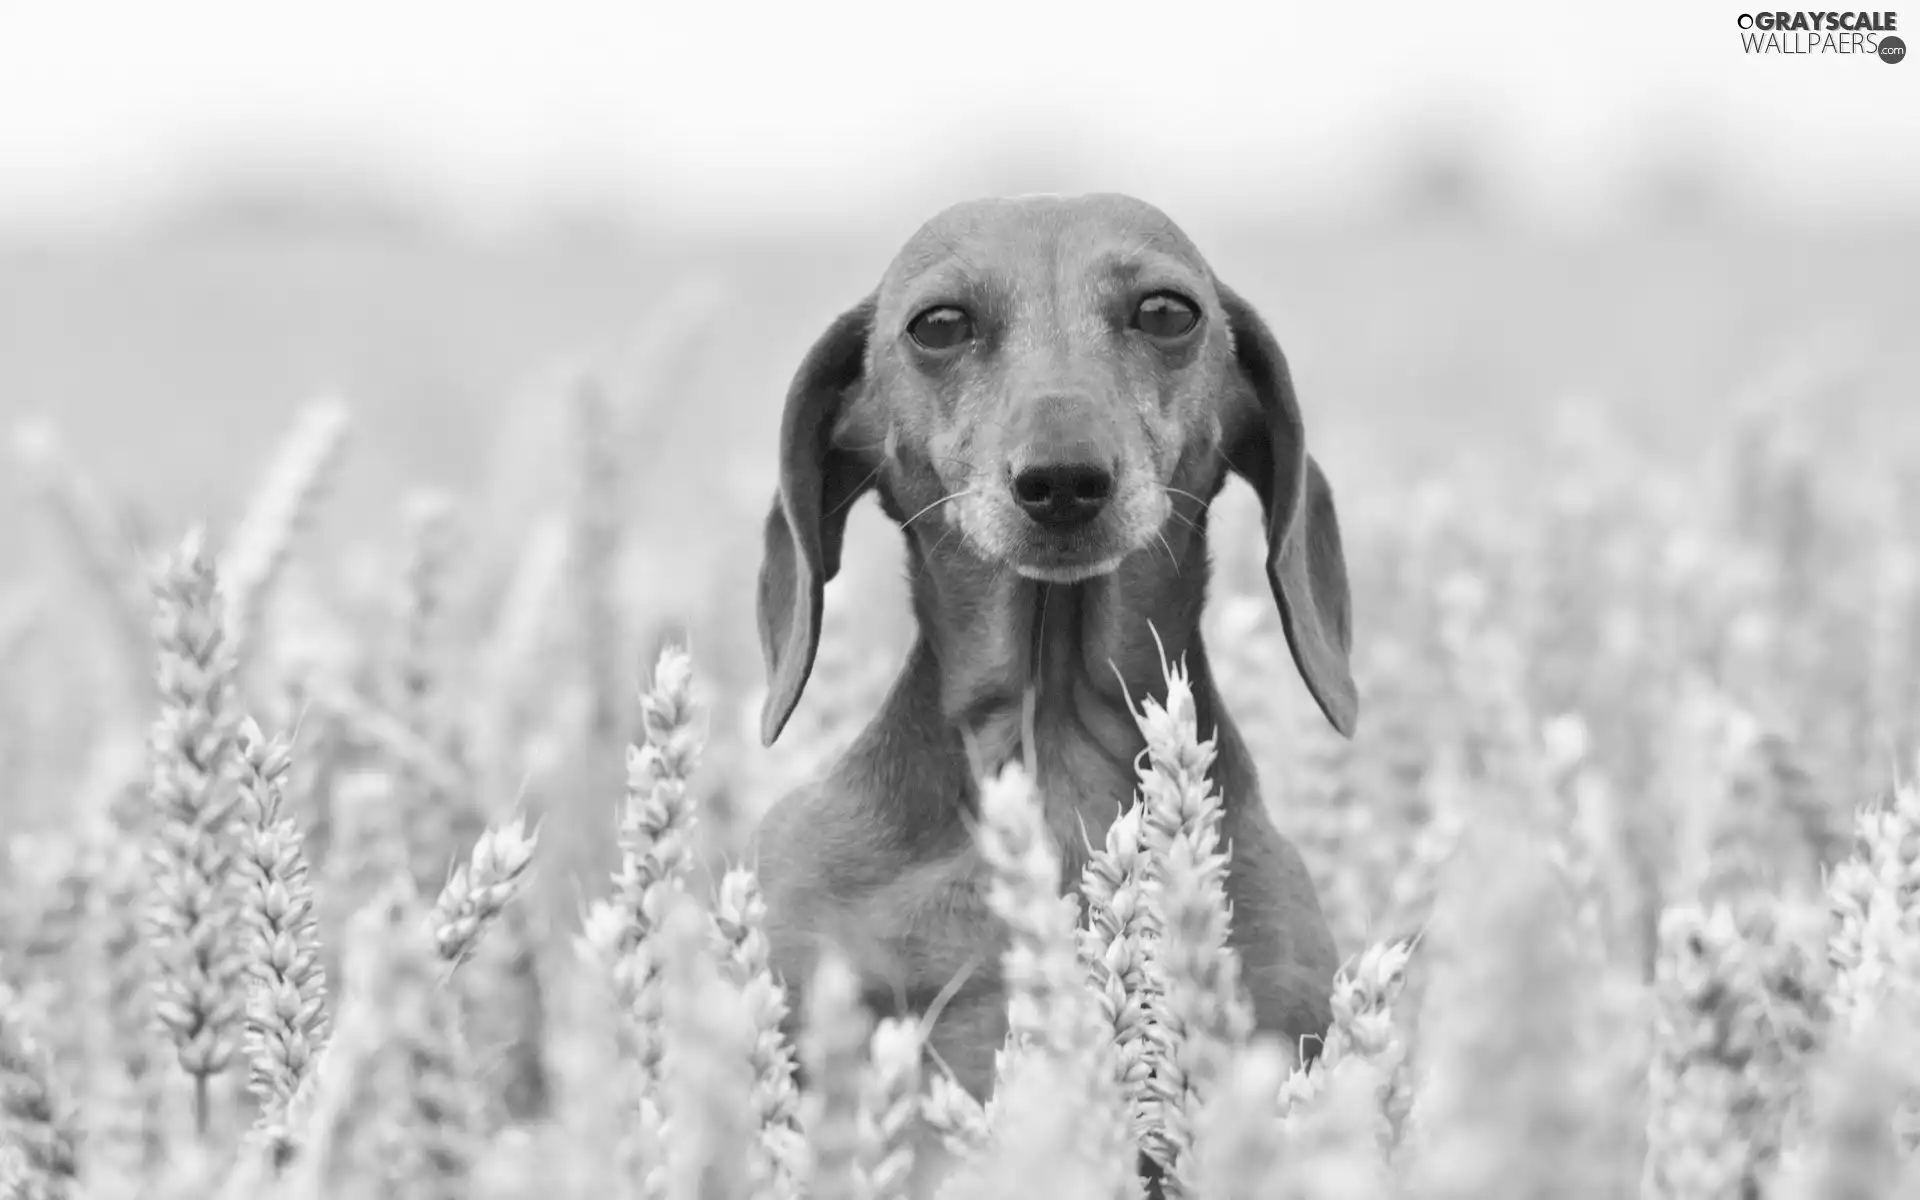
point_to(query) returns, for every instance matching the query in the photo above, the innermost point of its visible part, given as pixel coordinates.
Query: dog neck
(1047, 675)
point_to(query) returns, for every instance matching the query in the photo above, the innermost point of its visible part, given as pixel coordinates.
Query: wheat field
(398, 845)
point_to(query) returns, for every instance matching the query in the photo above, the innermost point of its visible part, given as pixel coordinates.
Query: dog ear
(808, 521)
(1265, 442)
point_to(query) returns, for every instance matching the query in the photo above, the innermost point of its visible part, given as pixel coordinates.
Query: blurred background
(1473, 226)
(1605, 333)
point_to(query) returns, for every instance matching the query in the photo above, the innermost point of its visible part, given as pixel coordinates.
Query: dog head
(1049, 375)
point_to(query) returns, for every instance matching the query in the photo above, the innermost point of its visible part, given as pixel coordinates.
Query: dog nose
(1063, 495)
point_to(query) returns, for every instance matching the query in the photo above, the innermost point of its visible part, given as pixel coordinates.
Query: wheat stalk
(36, 1124)
(192, 910)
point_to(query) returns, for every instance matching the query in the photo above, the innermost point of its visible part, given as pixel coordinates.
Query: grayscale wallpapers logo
(1863, 34)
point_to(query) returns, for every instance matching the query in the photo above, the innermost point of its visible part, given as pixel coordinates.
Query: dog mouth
(1048, 556)
(1073, 572)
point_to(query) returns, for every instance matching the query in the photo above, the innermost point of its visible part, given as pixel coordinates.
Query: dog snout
(1063, 495)
(1063, 461)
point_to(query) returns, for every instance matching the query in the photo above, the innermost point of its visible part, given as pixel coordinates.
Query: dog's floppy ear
(808, 521)
(1265, 442)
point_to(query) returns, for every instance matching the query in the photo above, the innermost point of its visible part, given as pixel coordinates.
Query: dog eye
(941, 328)
(1165, 315)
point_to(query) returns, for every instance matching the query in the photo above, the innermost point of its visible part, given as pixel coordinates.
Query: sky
(724, 111)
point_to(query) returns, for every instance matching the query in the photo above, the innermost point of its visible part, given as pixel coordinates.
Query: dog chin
(1071, 573)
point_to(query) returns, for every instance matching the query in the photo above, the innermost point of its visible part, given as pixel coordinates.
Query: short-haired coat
(1045, 394)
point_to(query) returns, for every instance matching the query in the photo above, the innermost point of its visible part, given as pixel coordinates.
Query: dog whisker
(1171, 490)
(881, 448)
(936, 504)
(854, 495)
(1189, 522)
(1168, 547)
(933, 553)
